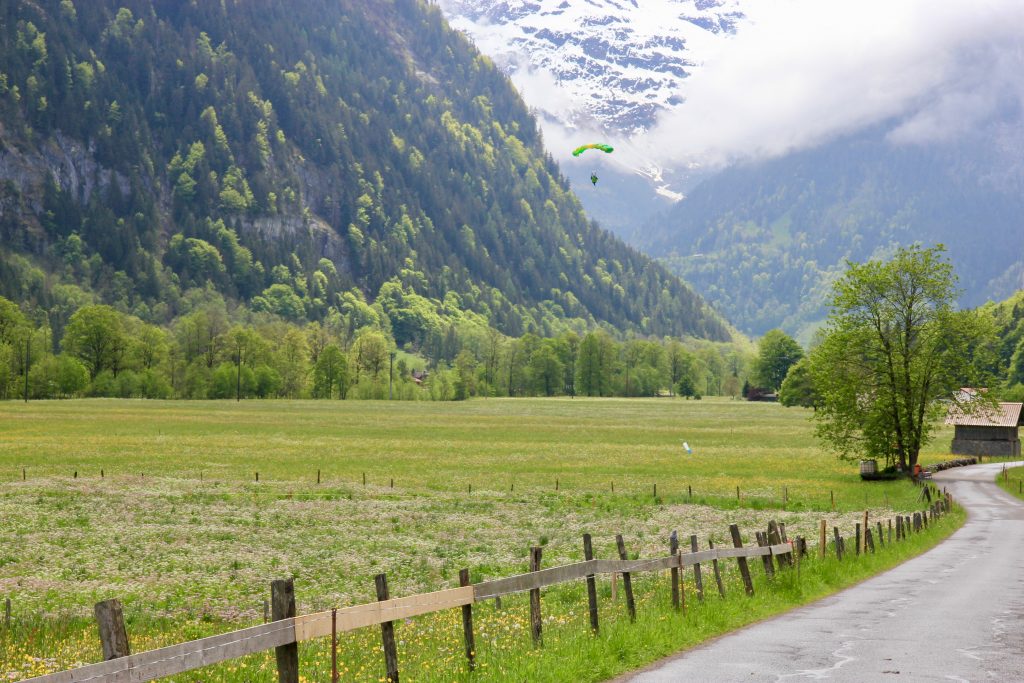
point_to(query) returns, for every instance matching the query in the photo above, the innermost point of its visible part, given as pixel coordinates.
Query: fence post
(890, 530)
(776, 535)
(859, 541)
(113, 635)
(714, 568)
(334, 646)
(7, 612)
(282, 600)
(387, 631)
(869, 541)
(741, 562)
(865, 548)
(627, 582)
(766, 560)
(780, 537)
(467, 622)
(698, 577)
(673, 549)
(588, 555)
(839, 543)
(822, 539)
(535, 620)
(881, 535)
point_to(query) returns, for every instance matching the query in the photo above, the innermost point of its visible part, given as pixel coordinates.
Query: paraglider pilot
(593, 178)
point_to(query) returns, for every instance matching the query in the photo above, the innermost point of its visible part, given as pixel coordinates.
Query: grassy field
(179, 529)
(1012, 481)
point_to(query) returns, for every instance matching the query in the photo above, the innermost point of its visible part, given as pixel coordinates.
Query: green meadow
(1012, 481)
(179, 529)
(586, 445)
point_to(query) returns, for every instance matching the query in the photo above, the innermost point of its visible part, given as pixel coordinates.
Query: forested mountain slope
(763, 241)
(306, 159)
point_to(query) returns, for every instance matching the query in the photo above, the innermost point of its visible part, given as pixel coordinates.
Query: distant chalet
(989, 431)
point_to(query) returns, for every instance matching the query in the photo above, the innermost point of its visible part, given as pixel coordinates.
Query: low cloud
(798, 73)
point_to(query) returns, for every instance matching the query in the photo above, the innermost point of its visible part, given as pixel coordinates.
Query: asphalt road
(955, 613)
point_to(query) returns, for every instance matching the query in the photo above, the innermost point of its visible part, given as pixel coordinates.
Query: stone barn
(991, 431)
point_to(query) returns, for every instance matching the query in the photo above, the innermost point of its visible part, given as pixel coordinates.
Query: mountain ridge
(138, 180)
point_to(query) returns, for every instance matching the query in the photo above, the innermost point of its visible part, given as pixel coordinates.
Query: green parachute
(607, 149)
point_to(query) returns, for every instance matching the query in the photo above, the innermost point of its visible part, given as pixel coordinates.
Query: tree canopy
(777, 352)
(892, 355)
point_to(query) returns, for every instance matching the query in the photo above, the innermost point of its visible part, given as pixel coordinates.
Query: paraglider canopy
(607, 149)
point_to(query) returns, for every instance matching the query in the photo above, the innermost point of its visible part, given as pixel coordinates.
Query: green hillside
(764, 241)
(308, 160)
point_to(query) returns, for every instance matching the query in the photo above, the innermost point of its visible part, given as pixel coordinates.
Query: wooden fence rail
(290, 630)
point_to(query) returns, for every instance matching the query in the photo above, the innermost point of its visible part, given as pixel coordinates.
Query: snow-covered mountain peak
(609, 65)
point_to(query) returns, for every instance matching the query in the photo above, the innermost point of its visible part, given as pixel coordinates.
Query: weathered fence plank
(175, 659)
(318, 624)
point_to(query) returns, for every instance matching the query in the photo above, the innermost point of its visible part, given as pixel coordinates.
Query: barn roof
(1002, 415)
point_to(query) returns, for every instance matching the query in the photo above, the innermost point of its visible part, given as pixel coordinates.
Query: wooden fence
(287, 630)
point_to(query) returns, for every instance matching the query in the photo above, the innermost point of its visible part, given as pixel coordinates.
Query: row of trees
(215, 353)
(888, 361)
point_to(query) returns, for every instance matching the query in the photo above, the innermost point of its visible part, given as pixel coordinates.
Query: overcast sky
(801, 72)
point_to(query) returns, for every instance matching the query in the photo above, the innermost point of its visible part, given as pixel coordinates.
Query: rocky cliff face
(71, 166)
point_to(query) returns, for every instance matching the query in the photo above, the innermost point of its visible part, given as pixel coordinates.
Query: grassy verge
(430, 647)
(1012, 481)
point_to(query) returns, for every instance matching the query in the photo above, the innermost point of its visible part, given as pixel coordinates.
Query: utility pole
(238, 373)
(391, 377)
(28, 361)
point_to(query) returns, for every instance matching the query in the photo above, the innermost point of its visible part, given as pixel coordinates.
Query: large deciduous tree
(777, 352)
(893, 352)
(96, 336)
